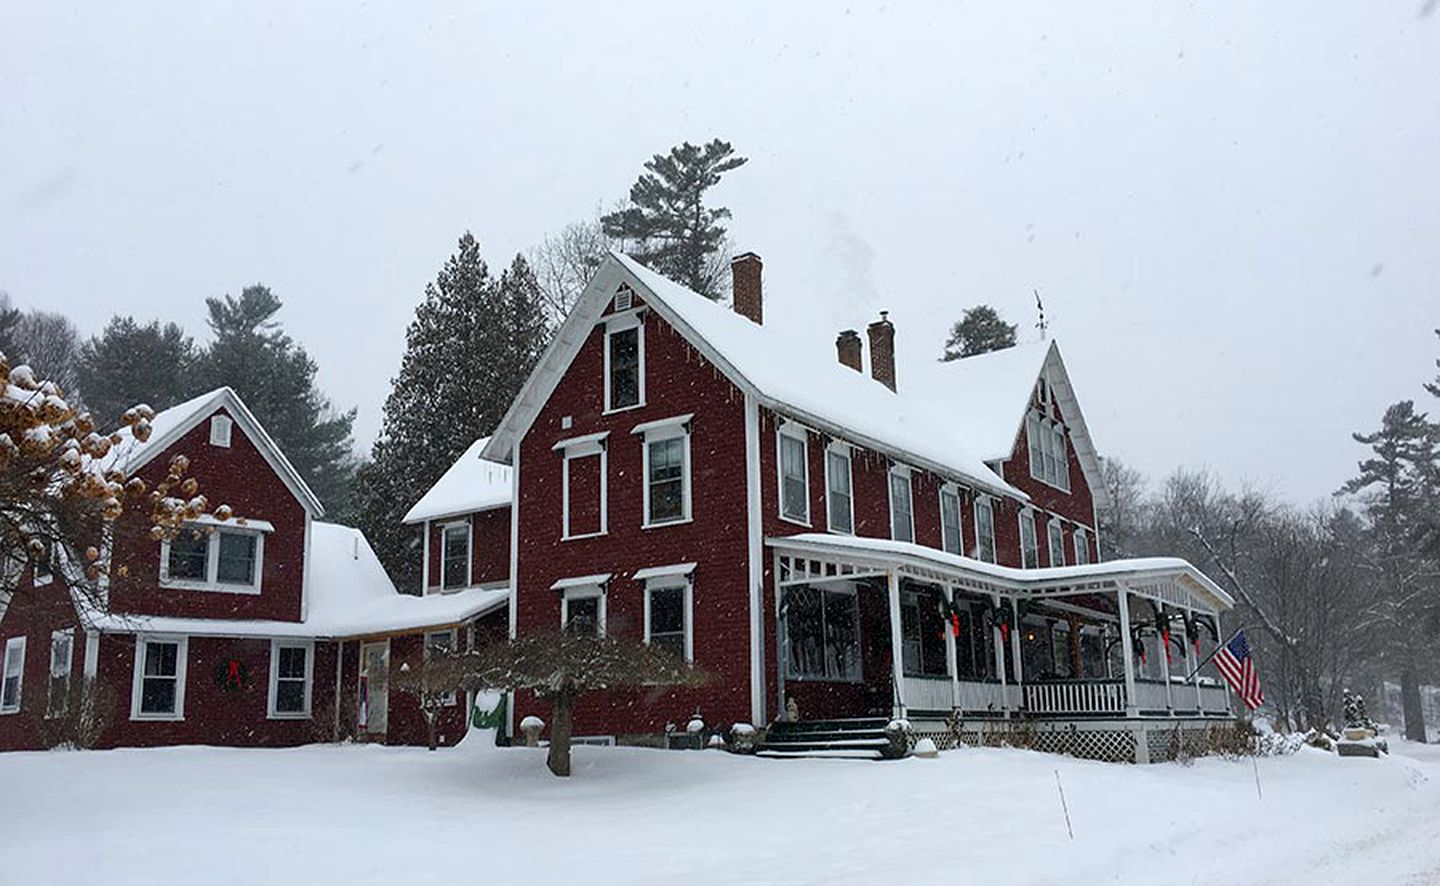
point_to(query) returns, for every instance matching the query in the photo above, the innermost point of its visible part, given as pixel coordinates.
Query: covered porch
(1075, 646)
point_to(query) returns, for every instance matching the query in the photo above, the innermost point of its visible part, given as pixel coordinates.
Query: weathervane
(1042, 325)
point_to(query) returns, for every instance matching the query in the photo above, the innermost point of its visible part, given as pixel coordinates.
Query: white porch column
(897, 643)
(950, 654)
(1122, 600)
(997, 642)
(1191, 661)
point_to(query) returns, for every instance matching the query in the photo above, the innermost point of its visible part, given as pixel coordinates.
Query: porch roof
(1168, 579)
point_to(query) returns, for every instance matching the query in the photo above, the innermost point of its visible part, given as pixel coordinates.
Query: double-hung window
(62, 657)
(582, 610)
(12, 675)
(1082, 546)
(839, 501)
(455, 555)
(669, 608)
(950, 519)
(1029, 545)
(624, 363)
(902, 508)
(1056, 536)
(1048, 460)
(822, 634)
(794, 475)
(584, 509)
(667, 470)
(984, 529)
(158, 692)
(226, 559)
(292, 668)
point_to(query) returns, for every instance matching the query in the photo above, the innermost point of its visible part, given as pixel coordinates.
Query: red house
(270, 628)
(835, 547)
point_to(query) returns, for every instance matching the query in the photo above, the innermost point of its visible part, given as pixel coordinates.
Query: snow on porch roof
(1021, 579)
(472, 483)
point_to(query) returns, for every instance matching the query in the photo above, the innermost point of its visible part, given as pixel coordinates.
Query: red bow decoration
(232, 674)
(955, 623)
(1165, 637)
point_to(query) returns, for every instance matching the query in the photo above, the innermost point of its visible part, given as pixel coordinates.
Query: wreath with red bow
(232, 675)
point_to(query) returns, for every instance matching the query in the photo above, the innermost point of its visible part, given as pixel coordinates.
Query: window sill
(275, 715)
(157, 718)
(5, 711)
(852, 681)
(680, 522)
(620, 409)
(806, 522)
(586, 535)
(833, 531)
(209, 588)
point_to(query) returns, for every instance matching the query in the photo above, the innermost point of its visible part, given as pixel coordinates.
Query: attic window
(624, 298)
(220, 430)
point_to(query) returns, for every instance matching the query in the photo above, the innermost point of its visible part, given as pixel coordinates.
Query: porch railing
(928, 693)
(934, 693)
(1075, 698)
(1152, 697)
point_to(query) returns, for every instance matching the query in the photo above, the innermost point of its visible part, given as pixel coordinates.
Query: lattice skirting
(1110, 741)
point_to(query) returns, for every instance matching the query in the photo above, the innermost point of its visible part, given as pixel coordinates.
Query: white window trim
(954, 490)
(469, 554)
(1081, 540)
(1052, 526)
(988, 504)
(676, 427)
(212, 562)
(900, 471)
(802, 436)
(182, 656)
(14, 652)
(621, 323)
(451, 698)
(848, 589)
(845, 453)
(69, 671)
(670, 582)
(221, 427)
(584, 447)
(1027, 515)
(1045, 438)
(275, 646)
(583, 592)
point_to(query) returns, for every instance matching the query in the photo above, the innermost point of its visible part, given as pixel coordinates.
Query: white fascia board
(659, 423)
(574, 442)
(580, 581)
(650, 572)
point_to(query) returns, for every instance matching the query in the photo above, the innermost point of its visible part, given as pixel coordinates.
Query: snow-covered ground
(360, 815)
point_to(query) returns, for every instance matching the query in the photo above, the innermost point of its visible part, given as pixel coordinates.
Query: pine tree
(276, 379)
(979, 331)
(128, 363)
(470, 348)
(673, 231)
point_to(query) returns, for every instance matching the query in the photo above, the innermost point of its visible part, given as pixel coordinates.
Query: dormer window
(227, 559)
(624, 363)
(220, 426)
(1048, 459)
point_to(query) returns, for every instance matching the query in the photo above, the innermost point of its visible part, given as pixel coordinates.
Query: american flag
(1238, 666)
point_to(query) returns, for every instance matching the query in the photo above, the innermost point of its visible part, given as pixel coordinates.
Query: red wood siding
(1077, 505)
(34, 613)
(584, 477)
(489, 547)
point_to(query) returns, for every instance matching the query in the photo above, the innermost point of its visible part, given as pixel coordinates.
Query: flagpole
(1218, 647)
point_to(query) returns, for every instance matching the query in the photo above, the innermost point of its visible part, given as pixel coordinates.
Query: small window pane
(189, 552)
(667, 480)
(292, 662)
(160, 678)
(625, 368)
(237, 558)
(584, 616)
(667, 619)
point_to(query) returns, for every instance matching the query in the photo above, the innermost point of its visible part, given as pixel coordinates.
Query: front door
(374, 688)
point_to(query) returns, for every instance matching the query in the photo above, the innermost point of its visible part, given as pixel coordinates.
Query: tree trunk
(560, 725)
(1411, 705)
(430, 731)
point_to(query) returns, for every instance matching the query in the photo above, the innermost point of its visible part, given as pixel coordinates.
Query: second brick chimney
(882, 350)
(847, 348)
(745, 287)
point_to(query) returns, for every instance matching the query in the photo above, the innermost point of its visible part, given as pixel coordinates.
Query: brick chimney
(745, 287)
(847, 347)
(882, 350)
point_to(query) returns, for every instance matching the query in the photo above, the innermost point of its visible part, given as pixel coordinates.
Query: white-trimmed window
(822, 632)
(1048, 461)
(984, 528)
(669, 614)
(213, 559)
(62, 659)
(624, 363)
(585, 512)
(292, 672)
(666, 464)
(792, 451)
(158, 692)
(220, 426)
(440, 643)
(582, 610)
(1029, 544)
(1081, 540)
(839, 499)
(455, 555)
(950, 538)
(902, 507)
(1055, 534)
(12, 677)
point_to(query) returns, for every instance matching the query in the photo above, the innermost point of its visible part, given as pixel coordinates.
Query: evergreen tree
(276, 379)
(672, 229)
(979, 331)
(128, 363)
(470, 348)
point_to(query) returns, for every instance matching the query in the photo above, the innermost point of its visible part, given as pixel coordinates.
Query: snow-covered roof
(1135, 569)
(171, 424)
(473, 483)
(794, 374)
(349, 595)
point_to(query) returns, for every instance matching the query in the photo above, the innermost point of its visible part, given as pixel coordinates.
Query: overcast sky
(1231, 210)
